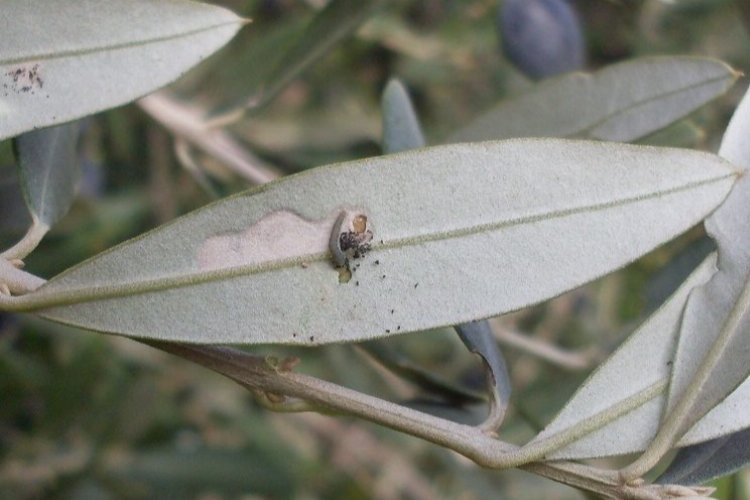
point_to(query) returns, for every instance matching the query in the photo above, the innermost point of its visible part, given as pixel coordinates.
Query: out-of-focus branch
(186, 122)
(570, 360)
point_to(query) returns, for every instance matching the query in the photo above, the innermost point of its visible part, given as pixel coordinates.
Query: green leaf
(49, 170)
(618, 409)
(63, 60)
(339, 19)
(508, 223)
(401, 129)
(479, 339)
(621, 102)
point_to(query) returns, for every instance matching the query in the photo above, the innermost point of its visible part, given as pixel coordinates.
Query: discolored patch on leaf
(280, 235)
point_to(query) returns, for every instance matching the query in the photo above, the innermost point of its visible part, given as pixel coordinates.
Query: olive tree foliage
(536, 197)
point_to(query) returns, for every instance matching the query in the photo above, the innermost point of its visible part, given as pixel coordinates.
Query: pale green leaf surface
(63, 60)
(621, 102)
(508, 223)
(49, 170)
(641, 365)
(401, 129)
(724, 298)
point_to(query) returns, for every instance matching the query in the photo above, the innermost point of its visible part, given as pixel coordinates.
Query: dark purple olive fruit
(541, 37)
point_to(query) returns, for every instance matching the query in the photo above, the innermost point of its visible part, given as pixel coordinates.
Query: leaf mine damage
(350, 240)
(277, 236)
(284, 235)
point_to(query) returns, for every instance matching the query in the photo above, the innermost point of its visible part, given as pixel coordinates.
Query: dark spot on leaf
(25, 78)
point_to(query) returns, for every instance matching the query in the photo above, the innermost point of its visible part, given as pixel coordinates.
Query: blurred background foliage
(89, 416)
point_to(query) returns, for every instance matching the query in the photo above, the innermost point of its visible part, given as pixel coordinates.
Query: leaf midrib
(117, 46)
(586, 130)
(42, 299)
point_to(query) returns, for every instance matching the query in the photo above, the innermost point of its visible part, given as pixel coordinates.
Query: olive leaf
(63, 60)
(49, 170)
(621, 102)
(711, 357)
(509, 223)
(339, 19)
(618, 409)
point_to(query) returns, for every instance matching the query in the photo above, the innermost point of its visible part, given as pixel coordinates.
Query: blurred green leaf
(621, 102)
(49, 170)
(401, 129)
(424, 379)
(479, 339)
(63, 60)
(256, 268)
(169, 473)
(706, 461)
(338, 20)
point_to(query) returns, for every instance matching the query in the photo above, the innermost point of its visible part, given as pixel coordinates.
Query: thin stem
(16, 281)
(28, 243)
(570, 360)
(188, 123)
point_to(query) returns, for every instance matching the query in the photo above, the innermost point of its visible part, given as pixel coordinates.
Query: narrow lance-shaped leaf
(622, 102)
(339, 19)
(479, 339)
(49, 169)
(715, 334)
(706, 461)
(63, 60)
(509, 223)
(619, 408)
(402, 131)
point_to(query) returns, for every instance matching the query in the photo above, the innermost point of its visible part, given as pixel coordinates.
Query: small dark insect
(416, 285)
(387, 331)
(350, 239)
(312, 338)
